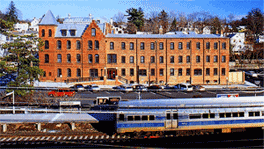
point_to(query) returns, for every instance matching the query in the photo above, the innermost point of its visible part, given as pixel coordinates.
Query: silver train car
(167, 115)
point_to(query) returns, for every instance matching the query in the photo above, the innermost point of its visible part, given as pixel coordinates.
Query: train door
(171, 120)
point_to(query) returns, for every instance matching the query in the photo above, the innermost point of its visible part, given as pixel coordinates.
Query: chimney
(216, 32)
(111, 21)
(222, 34)
(160, 30)
(69, 15)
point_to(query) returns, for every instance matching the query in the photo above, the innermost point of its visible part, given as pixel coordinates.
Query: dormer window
(63, 32)
(93, 32)
(72, 32)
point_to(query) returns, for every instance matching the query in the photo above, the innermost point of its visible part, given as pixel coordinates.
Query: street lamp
(13, 100)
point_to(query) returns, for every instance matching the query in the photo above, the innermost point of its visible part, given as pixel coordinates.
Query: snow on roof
(48, 19)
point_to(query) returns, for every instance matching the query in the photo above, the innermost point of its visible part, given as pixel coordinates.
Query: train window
(151, 117)
(241, 114)
(121, 117)
(195, 116)
(168, 117)
(228, 115)
(144, 118)
(205, 115)
(175, 115)
(257, 113)
(137, 118)
(235, 114)
(250, 114)
(130, 118)
(212, 115)
(222, 115)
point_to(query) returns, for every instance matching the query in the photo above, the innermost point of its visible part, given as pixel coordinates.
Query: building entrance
(111, 73)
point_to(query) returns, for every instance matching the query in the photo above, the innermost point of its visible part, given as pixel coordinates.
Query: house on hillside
(34, 24)
(21, 27)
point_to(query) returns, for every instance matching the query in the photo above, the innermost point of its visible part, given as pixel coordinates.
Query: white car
(184, 87)
(126, 88)
(93, 88)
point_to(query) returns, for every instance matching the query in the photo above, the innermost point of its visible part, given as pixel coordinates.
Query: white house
(34, 25)
(237, 40)
(21, 27)
(3, 40)
(207, 30)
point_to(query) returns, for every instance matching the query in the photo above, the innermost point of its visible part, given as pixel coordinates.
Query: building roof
(79, 28)
(48, 19)
(77, 20)
(176, 35)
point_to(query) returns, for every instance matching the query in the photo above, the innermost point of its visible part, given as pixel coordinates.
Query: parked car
(199, 88)
(252, 74)
(93, 88)
(61, 93)
(184, 87)
(123, 88)
(152, 87)
(140, 88)
(78, 87)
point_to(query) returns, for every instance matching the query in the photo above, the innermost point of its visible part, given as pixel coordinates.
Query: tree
(255, 22)
(152, 24)
(164, 21)
(131, 28)
(12, 14)
(23, 52)
(216, 25)
(173, 26)
(136, 16)
(119, 18)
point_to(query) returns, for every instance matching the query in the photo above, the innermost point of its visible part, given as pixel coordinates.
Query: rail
(84, 79)
(122, 79)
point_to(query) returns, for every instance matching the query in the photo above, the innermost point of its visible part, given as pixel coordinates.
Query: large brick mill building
(82, 49)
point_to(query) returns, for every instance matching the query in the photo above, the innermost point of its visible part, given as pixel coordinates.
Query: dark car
(154, 87)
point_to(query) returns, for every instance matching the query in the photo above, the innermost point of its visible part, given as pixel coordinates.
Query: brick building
(92, 51)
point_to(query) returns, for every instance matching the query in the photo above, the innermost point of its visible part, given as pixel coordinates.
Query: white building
(34, 25)
(237, 40)
(3, 40)
(207, 30)
(21, 27)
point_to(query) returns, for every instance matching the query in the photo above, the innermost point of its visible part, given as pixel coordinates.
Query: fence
(85, 79)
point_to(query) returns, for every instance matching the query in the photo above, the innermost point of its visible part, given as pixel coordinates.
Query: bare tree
(119, 18)
(182, 19)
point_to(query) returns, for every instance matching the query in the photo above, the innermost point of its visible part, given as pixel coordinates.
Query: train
(165, 116)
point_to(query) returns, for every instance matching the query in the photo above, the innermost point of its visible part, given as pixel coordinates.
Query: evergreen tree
(173, 26)
(136, 16)
(216, 25)
(164, 21)
(12, 13)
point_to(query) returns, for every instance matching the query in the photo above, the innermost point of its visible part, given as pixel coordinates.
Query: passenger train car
(168, 115)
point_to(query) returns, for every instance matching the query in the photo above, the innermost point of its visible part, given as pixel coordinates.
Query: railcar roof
(194, 102)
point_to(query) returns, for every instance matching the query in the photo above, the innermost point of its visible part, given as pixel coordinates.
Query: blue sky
(108, 8)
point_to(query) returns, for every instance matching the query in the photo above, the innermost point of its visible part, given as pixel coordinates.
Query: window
(223, 45)
(68, 72)
(197, 72)
(72, 32)
(161, 59)
(198, 59)
(43, 33)
(152, 72)
(131, 59)
(215, 59)
(180, 59)
(93, 32)
(44, 74)
(207, 71)
(142, 72)
(188, 71)
(161, 72)
(111, 46)
(46, 58)
(142, 46)
(188, 59)
(180, 72)
(78, 57)
(180, 45)
(78, 45)
(223, 59)
(208, 58)
(63, 32)
(215, 45)
(59, 58)
(131, 46)
(94, 73)
(96, 44)
(207, 45)
(152, 46)
(123, 45)
(195, 116)
(251, 114)
(58, 72)
(172, 59)
(152, 59)
(123, 72)
(123, 59)
(68, 44)
(90, 45)
(59, 44)
(50, 33)
(111, 58)
(46, 44)
(188, 45)
(215, 71)
(161, 46)
(172, 45)
(68, 58)
(198, 45)
(131, 72)
(172, 71)
(142, 59)
(78, 74)
(90, 58)
(96, 58)
(223, 71)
